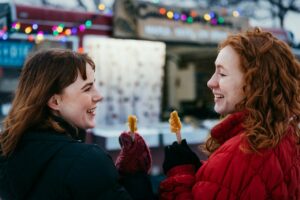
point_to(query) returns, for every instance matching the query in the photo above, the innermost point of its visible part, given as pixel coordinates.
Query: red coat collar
(229, 127)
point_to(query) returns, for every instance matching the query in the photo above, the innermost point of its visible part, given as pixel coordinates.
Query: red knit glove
(134, 156)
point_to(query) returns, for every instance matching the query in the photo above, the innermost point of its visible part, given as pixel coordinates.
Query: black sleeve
(138, 185)
(94, 176)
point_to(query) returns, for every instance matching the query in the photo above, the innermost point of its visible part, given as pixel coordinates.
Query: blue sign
(14, 53)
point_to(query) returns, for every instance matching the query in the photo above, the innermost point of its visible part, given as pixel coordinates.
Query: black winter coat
(48, 165)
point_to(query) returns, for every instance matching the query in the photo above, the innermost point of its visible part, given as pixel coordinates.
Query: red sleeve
(178, 184)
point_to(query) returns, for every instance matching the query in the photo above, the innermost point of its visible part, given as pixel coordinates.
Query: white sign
(129, 75)
(167, 30)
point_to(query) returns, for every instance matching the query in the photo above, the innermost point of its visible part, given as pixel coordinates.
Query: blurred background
(152, 57)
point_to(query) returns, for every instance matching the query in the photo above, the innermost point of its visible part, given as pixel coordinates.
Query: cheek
(76, 105)
(238, 94)
(83, 99)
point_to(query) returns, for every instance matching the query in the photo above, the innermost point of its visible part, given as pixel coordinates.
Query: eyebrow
(220, 67)
(87, 85)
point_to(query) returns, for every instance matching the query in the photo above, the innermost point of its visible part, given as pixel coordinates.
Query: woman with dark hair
(254, 150)
(41, 156)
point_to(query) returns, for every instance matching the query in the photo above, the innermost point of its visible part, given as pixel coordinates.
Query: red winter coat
(229, 173)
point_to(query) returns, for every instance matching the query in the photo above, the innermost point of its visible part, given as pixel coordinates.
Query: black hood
(20, 171)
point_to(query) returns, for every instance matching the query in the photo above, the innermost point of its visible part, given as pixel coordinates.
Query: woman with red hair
(254, 151)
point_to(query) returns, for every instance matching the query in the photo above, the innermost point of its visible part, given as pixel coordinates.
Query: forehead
(89, 71)
(79, 82)
(227, 58)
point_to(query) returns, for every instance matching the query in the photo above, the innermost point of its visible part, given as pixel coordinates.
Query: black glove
(179, 154)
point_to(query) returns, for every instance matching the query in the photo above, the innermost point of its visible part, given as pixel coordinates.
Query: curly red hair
(272, 88)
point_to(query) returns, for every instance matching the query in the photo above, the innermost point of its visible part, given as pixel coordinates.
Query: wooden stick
(132, 135)
(178, 136)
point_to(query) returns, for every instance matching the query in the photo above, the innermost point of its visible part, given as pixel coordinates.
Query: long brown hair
(272, 88)
(45, 73)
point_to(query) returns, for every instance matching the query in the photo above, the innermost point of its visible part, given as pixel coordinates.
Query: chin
(218, 110)
(90, 126)
(223, 111)
(86, 126)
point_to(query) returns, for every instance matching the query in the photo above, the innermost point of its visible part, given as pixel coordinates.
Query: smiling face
(77, 103)
(227, 82)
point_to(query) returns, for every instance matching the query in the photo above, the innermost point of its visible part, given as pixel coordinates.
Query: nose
(212, 82)
(97, 97)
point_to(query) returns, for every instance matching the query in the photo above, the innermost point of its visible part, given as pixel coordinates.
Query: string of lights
(61, 31)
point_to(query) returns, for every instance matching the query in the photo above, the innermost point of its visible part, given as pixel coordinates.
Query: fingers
(135, 155)
(130, 146)
(125, 140)
(183, 142)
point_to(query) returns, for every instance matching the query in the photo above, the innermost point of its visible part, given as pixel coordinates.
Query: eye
(222, 75)
(88, 89)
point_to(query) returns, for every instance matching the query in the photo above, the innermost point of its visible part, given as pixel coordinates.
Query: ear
(53, 102)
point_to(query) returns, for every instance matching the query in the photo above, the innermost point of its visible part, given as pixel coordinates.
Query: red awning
(46, 18)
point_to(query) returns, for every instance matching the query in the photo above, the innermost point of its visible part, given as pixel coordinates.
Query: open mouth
(218, 96)
(91, 111)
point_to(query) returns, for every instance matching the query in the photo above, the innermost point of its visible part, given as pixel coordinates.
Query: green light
(61, 25)
(88, 23)
(55, 33)
(221, 20)
(190, 19)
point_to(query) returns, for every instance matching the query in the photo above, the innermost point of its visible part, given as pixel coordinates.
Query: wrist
(182, 170)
